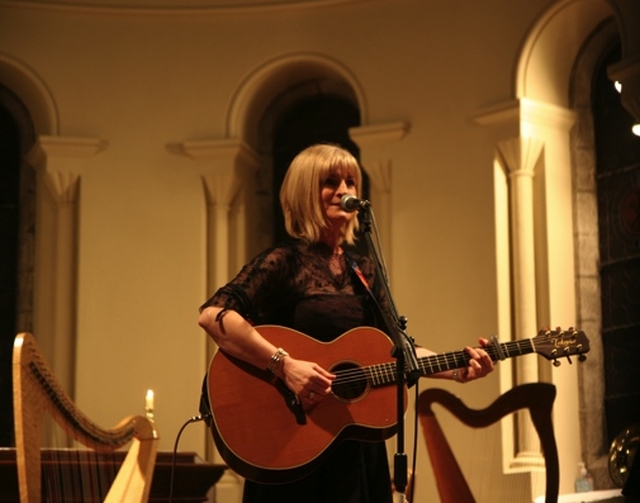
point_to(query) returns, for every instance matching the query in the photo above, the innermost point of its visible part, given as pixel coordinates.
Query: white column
(59, 163)
(520, 156)
(537, 163)
(227, 168)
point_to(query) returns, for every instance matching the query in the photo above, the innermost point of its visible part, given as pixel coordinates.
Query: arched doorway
(602, 151)
(317, 119)
(17, 201)
(617, 152)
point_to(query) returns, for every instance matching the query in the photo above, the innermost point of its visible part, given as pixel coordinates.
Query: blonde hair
(300, 192)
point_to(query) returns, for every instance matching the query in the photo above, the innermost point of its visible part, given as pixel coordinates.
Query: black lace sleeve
(257, 284)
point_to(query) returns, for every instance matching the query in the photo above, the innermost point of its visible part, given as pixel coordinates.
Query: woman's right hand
(234, 335)
(308, 380)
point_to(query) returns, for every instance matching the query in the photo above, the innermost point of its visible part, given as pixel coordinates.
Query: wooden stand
(192, 479)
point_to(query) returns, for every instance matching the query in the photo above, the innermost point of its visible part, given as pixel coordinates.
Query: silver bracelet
(456, 376)
(275, 359)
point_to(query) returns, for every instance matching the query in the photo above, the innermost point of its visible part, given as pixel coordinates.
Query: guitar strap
(356, 269)
(358, 272)
(360, 275)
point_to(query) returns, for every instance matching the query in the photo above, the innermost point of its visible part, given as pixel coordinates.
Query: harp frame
(36, 389)
(537, 397)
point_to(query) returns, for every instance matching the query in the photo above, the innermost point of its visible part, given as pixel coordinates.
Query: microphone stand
(404, 350)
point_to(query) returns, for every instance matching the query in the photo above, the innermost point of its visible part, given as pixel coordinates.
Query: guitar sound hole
(351, 382)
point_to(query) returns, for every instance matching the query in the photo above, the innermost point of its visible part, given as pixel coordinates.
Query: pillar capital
(60, 161)
(520, 155)
(222, 166)
(373, 141)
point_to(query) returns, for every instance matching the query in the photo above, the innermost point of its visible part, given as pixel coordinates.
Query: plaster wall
(143, 80)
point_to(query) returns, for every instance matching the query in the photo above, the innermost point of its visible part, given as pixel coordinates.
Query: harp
(537, 397)
(35, 389)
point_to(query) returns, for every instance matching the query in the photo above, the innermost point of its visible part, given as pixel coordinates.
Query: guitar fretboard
(385, 373)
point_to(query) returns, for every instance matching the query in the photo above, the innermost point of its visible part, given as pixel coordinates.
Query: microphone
(351, 203)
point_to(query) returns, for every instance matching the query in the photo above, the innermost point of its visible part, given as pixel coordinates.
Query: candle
(149, 400)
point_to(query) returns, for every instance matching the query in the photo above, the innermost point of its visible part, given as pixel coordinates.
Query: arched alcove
(596, 171)
(29, 104)
(556, 67)
(17, 232)
(549, 283)
(295, 72)
(546, 61)
(591, 385)
(31, 90)
(559, 69)
(259, 104)
(51, 166)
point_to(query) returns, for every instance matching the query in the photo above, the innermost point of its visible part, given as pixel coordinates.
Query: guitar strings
(384, 373)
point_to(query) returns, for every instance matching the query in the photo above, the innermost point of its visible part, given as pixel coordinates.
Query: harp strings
(71, 472)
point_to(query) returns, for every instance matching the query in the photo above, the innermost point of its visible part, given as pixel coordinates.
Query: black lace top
(301, 286)
(293, 285)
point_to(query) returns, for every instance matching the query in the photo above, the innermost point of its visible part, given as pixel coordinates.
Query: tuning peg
(582, 358)
(556, 363)
(567, 354)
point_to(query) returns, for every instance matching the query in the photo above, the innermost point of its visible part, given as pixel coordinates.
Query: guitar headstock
(554, 344)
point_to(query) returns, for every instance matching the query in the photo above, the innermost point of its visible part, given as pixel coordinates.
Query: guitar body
(263, 433)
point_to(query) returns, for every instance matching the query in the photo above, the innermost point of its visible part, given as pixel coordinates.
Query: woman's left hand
(480, 363)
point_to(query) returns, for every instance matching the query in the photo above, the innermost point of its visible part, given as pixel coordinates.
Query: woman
(308, 284)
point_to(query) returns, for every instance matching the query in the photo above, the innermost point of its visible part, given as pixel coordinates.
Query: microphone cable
(194, 419)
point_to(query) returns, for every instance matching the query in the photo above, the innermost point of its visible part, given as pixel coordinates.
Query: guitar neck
(385, 373)
(458, 359)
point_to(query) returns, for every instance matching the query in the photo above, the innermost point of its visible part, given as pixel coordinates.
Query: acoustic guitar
(262, 431)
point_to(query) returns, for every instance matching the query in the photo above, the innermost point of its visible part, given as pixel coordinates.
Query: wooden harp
(537, 397)
(35, 390)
